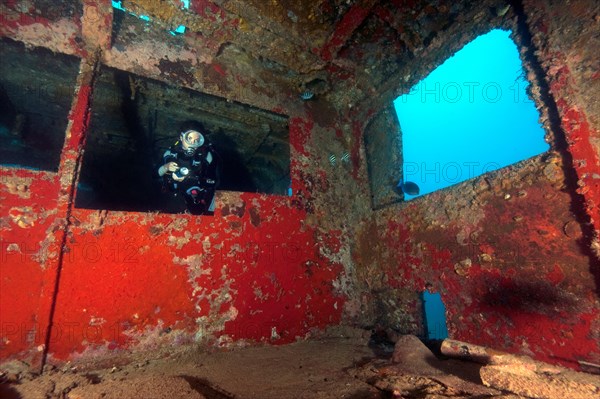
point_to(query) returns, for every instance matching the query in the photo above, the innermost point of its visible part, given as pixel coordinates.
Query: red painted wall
(78, 282)
(512, 272)
(28, 202)
(254, 271)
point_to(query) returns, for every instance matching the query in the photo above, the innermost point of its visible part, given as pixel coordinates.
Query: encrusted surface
(512, 252)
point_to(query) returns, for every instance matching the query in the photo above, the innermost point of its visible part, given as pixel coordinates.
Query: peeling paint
(509, 252)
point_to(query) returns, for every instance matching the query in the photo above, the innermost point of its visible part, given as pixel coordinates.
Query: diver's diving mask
(191, 140)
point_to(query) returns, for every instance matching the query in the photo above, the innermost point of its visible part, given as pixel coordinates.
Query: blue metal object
(434, 315)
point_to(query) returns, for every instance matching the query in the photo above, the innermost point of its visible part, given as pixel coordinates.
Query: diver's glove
(168, 167)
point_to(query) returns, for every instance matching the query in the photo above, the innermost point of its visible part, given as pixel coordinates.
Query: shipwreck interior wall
(513, 253)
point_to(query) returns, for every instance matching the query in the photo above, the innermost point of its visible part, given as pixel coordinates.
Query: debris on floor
(414, 371)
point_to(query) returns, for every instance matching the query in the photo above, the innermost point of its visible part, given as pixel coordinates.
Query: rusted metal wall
(78, 282)
(383, 150)
(514, 253)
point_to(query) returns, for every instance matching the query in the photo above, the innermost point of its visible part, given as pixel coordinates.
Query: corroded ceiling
(369, 42)
(264, 53)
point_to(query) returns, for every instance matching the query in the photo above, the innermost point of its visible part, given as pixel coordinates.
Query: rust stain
(254, 216)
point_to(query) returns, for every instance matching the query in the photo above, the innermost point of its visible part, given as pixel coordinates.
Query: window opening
(185, 5)
(36, 89)
(135, 120)
(470, 116)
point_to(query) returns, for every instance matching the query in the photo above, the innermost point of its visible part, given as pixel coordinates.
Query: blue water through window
(471, 115)
(185, 5)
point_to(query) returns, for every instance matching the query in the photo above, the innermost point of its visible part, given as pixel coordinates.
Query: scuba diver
(191, 168)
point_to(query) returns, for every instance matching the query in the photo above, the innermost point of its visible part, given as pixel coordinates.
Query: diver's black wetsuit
(198, 187)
